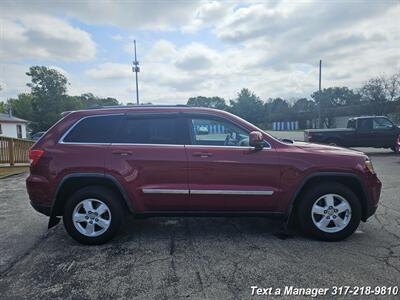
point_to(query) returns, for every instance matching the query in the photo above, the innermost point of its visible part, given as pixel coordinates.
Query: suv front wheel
(329, 212)
(93, 215)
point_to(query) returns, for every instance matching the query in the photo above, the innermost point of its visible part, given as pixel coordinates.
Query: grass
(9, 171)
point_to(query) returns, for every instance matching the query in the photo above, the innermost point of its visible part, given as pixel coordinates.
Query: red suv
(95, 166)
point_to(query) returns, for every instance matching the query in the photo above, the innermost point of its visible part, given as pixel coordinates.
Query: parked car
(372, 131)
(95, 166)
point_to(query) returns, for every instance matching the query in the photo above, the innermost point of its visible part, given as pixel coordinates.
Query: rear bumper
(43, 209)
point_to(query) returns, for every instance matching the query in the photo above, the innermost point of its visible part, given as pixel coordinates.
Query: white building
(11, 126)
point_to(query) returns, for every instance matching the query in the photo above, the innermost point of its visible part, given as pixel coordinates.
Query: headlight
(369, 166)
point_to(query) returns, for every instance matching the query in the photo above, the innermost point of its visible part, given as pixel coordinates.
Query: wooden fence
(14, 151)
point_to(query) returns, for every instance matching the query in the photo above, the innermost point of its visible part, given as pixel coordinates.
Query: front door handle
(122, 153)
(202, 154)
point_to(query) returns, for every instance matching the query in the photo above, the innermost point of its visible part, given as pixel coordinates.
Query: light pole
(320, 97)
(136, 69)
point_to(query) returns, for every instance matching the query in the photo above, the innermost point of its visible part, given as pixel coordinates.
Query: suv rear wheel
(93, 215)
(329, 212)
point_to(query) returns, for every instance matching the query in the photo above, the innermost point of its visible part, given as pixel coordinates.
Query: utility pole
(136, 69)
(320, 98)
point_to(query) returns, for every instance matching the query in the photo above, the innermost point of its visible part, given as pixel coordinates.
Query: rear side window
(364, 124)
(157, 130)
(96, 129)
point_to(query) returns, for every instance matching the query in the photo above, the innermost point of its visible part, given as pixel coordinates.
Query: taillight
(34, 156)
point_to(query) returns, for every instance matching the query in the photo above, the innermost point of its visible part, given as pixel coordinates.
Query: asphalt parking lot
(195, 258)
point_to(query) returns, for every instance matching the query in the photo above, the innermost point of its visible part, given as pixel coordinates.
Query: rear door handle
(202, 154)
(122, 153)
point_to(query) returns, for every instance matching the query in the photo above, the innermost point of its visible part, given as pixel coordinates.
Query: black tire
(312, 195)
(105, 195)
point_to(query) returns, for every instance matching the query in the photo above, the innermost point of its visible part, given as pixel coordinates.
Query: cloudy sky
(190, 48)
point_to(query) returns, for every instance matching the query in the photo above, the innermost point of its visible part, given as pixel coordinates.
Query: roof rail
(137, 106)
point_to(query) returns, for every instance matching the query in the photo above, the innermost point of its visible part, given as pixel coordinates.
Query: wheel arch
(349, 180)
(72, 182)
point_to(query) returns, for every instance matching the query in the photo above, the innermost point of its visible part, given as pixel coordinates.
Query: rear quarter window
(94, 129)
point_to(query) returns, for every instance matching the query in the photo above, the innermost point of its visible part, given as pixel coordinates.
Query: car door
(148, 156)
(225, 173)
(384, 133)
(363, 133)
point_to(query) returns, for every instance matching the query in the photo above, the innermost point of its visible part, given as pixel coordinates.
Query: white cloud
(110, 71)
(215, 47)
(195, 57)
(117, 37)
(162, 15)
(43, 37)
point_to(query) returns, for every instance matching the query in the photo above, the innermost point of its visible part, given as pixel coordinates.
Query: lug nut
(325, 211)
(334, 217)
(336, 210)
(96, 219)
(86, 217)
(328, 217)
(91, 222)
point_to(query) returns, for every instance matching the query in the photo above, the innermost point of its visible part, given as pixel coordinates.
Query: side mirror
(256, 139)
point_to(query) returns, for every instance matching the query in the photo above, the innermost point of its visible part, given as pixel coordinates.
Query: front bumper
(374, 186)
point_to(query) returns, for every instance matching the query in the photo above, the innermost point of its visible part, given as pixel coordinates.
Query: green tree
(89, 101)
(49, 98)
(213, 102)
(21, 106)
(303, 105)
(248, 106)
(332, 97)
(379, 91)
(277, 106)
(2, 107)
(336, 96)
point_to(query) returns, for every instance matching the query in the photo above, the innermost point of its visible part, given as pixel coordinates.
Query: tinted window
(217, 132)
(149, 131)
(99, 129)
(364, 124)
(351, 124)
(382, 123)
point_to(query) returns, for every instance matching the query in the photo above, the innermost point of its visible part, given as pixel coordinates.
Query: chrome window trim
(231, 147)
(166, 191)
(167, 145)
(207, 192)
(61, 140)
(232, 192)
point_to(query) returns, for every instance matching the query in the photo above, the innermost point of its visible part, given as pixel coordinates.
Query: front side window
(382, 123)
(96, 129)
(157, 130)
(216, 132)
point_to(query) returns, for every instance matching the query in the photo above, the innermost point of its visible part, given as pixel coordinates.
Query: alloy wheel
(91, 217)
(331, 213)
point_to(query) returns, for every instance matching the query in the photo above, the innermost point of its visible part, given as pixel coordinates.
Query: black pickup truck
(372, 131)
